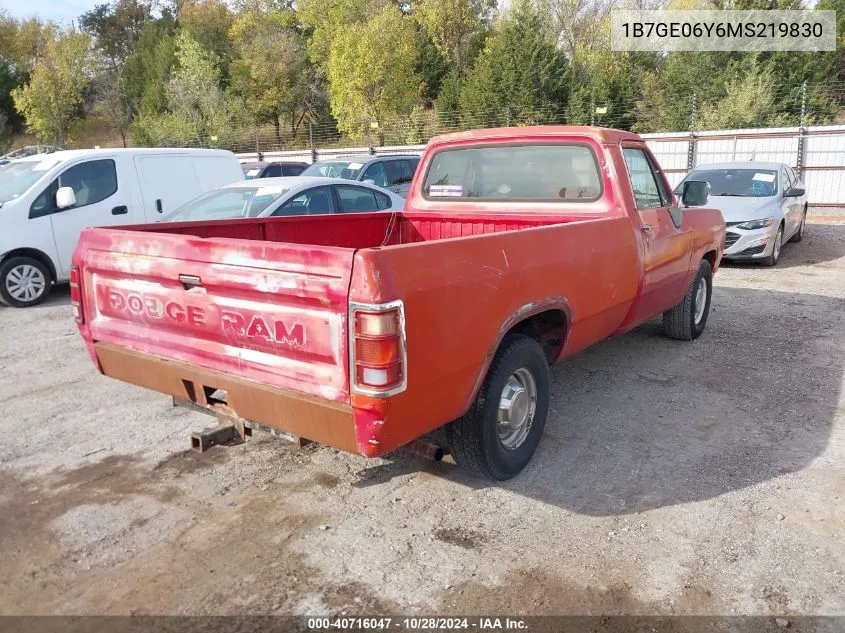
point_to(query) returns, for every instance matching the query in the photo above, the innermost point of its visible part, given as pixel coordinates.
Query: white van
(46, 200)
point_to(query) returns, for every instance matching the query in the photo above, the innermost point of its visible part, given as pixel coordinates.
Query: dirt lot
(673, 478)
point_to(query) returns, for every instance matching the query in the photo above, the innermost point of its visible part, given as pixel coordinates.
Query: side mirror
(794, 192)
(695, 193)
(65, 198)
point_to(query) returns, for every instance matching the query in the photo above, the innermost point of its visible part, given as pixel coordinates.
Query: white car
(764, 205)
(46, 200)
(293, 195)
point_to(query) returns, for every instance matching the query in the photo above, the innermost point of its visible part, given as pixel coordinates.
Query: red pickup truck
(517, 248)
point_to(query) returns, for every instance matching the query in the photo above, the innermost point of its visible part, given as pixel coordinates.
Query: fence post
(692, 138)
(258, 146)
(802, 133)
(592, 113)
(311, 143)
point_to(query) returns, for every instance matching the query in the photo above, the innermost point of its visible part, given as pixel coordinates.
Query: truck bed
(357, 231)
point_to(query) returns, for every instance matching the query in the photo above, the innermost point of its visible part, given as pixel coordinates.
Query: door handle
(158, 205)
(120, 210)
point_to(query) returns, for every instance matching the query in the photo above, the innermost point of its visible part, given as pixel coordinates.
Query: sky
(60, 11)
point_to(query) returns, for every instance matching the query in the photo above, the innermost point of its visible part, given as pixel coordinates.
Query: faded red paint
(272, 307)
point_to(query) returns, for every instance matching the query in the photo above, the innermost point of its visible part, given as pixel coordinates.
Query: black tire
(774, 258)
(474, 440)
(680, 321)
(13, 266)
(799, 234)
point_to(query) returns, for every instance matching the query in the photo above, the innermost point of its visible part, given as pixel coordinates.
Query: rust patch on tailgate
(316, 419)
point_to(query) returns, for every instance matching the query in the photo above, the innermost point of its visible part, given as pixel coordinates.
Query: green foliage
(50, 101)
(371, 72)
(116, 28)
(451, 24)
(520, 77)
(272, 73)
(449, 100)
(208, 23)
(146, 72)
(324, 20)
(429, 64)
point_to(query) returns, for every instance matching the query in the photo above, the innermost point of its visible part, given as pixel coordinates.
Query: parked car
(27, 150)
(263, 169)
(391, 172)
(48, 199)
(295, 195)
(518, 247)
(764, 205)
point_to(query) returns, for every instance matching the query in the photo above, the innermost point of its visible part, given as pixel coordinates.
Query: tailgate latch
(190, 281)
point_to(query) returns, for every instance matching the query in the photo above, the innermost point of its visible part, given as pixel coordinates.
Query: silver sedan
(764, 206)
(294, 195)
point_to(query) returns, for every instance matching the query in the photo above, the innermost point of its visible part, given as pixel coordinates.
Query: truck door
(667, 255)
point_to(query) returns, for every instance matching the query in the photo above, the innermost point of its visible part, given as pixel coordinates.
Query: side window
(292, 170)
(314, 201)
(787, 177)
(272, 171)
(649, 190)
(397, 172)
(44, 203)
(375, 172)
(92, 181)
(382, 201)
(356, 199)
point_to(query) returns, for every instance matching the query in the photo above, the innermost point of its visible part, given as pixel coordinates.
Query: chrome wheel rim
(700, 299)
(25, 283)
(517, 406)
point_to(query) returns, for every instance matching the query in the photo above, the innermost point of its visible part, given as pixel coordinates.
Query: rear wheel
(499, 434)
(24, 282)
(686, 320)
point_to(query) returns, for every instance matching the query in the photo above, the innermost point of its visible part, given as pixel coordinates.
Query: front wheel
(772, 259)
(499, 434)
(24, 282)
(686, 320)
(799, 234)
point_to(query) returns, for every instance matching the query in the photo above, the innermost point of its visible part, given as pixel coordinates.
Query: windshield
(335, 169)
(750, 183)
(17, 177)
(553, 172)
(228, 203)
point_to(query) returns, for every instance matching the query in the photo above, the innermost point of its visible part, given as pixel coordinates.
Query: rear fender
(521, 314)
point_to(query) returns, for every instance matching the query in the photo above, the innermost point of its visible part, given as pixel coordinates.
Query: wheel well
(547, 328)
(34, 254)
(710, 256)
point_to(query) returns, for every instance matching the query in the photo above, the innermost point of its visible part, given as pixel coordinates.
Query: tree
(453, 25)
(50, 101)
(208, 23)
(520, 77)
(196, 105)
(371, 72)
(272, 72)
(429, 64)
(325, 20)
(146, 72)
(749, 102)
(116, 28)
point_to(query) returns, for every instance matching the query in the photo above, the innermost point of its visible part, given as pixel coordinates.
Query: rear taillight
(377, 358)
(76, 294)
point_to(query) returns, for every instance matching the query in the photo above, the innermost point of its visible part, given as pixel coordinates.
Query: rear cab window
(559, 172)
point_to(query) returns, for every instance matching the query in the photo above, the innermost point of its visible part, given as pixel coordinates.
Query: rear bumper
(322, 421)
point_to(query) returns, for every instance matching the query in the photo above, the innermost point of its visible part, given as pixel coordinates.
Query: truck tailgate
(270, 312)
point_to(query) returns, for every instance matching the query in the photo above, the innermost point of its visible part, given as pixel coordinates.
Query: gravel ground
(673, 478)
